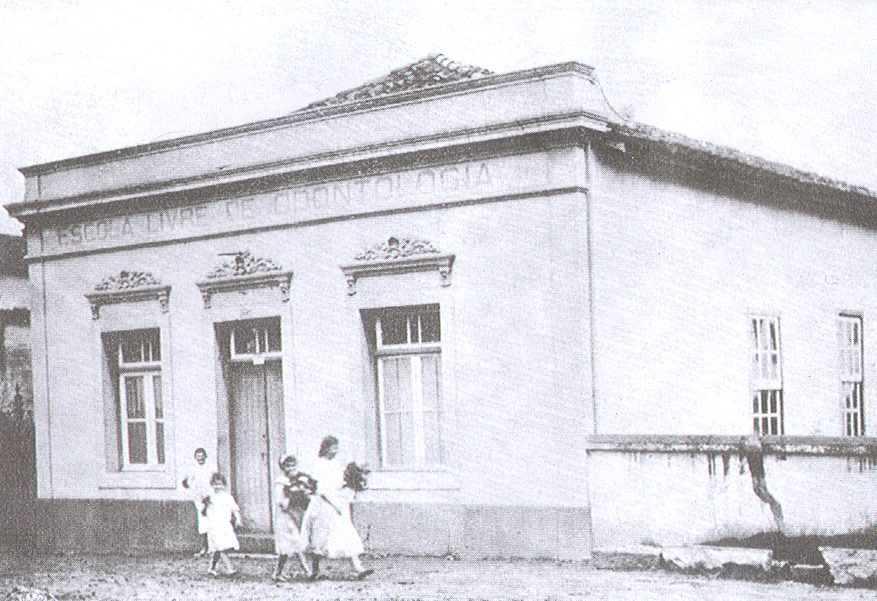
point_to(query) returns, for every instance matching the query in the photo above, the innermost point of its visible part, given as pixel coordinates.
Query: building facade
(547, 332)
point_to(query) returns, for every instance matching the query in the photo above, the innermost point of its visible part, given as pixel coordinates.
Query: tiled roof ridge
(662, 136)
(432, 70)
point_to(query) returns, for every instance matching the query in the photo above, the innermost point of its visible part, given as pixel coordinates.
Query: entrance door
(256, 416)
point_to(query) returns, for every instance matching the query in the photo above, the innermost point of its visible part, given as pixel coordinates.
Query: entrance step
(256, 542)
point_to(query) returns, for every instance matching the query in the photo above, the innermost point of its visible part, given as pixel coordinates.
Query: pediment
(398, 255)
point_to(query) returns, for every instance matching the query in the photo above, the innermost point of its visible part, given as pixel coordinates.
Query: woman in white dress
(327, 528)
(198, 484)
(287, 528)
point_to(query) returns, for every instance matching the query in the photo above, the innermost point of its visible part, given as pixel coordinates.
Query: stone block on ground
(702, 557)
(849, 566)
(633, 557)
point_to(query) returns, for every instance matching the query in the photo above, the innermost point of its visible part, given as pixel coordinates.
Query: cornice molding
(456, 141)
(398, 255)
(128, 287)
(244, 271)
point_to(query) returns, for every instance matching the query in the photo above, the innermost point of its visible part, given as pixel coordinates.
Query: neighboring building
(546, 331)
(16, 392)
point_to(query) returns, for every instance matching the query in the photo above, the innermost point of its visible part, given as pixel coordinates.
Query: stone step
(851, 566)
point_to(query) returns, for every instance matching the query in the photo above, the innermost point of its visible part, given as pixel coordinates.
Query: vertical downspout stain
(46, 363)
(589, 182)
(751, 448)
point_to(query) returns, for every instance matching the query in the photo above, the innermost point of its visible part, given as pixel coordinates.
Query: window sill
(400, 479)
(120, 480)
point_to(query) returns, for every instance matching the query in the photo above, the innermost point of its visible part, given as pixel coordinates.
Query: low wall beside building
(660, 490)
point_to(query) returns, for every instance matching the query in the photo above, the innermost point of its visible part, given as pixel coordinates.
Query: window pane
(153, 348)
(430, 326)
(392, 439)
(273, 338)
(244, 340)
(414, 331)
(134, 401)
(140, 347)
(394, 328)
(132, 348)
(397, 384)
(159, 441)
(431, 377)
(156, 393)
(406, 430)
(137, 442)
(432, 437)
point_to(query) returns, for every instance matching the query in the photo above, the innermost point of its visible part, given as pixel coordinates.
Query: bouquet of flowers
(205, 501)
(298, 492)
(356, 476)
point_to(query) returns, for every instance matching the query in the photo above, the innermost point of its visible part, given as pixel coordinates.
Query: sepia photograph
(438, 300)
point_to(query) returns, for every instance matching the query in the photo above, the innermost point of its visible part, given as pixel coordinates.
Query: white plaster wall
(519, 401)
(662, 498)
(676, 273)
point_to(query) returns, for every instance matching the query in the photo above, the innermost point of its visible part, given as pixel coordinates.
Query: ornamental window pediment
(128, 287)
(398, 255)
(243, 271)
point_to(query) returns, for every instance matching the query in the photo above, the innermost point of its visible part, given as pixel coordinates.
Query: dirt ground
(183, 578)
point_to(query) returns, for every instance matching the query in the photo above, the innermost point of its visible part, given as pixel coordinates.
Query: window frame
(851, 381)
(261, 326)
(415, 352)
(146, 369)
(766, 389)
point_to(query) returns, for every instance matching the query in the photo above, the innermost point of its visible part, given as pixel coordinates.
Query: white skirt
(221, 537)
(328, 533)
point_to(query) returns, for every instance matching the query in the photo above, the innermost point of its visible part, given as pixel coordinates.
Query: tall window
(141, 402)
(849, 338)
(408, 364)
(766, 375)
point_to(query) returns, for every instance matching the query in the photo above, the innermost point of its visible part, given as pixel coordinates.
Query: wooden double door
(256, 438)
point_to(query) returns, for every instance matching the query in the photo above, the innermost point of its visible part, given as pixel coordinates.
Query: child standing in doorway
(198, 484)
(223, 515)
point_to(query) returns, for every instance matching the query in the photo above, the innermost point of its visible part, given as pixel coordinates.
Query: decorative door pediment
(128, 287)
(243, 271)
(398, 255)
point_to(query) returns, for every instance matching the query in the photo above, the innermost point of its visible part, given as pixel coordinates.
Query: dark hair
(217, 478)
(327, 443)
(200, 450)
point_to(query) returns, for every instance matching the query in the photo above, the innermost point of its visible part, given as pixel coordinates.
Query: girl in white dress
(223, 515)
(327, 528)
(198, 484)
(287, 523)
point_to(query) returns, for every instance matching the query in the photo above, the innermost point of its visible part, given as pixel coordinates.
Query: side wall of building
(678, 273)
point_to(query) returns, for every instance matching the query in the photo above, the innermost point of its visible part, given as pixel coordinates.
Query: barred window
(766, 382)
(849, 337)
